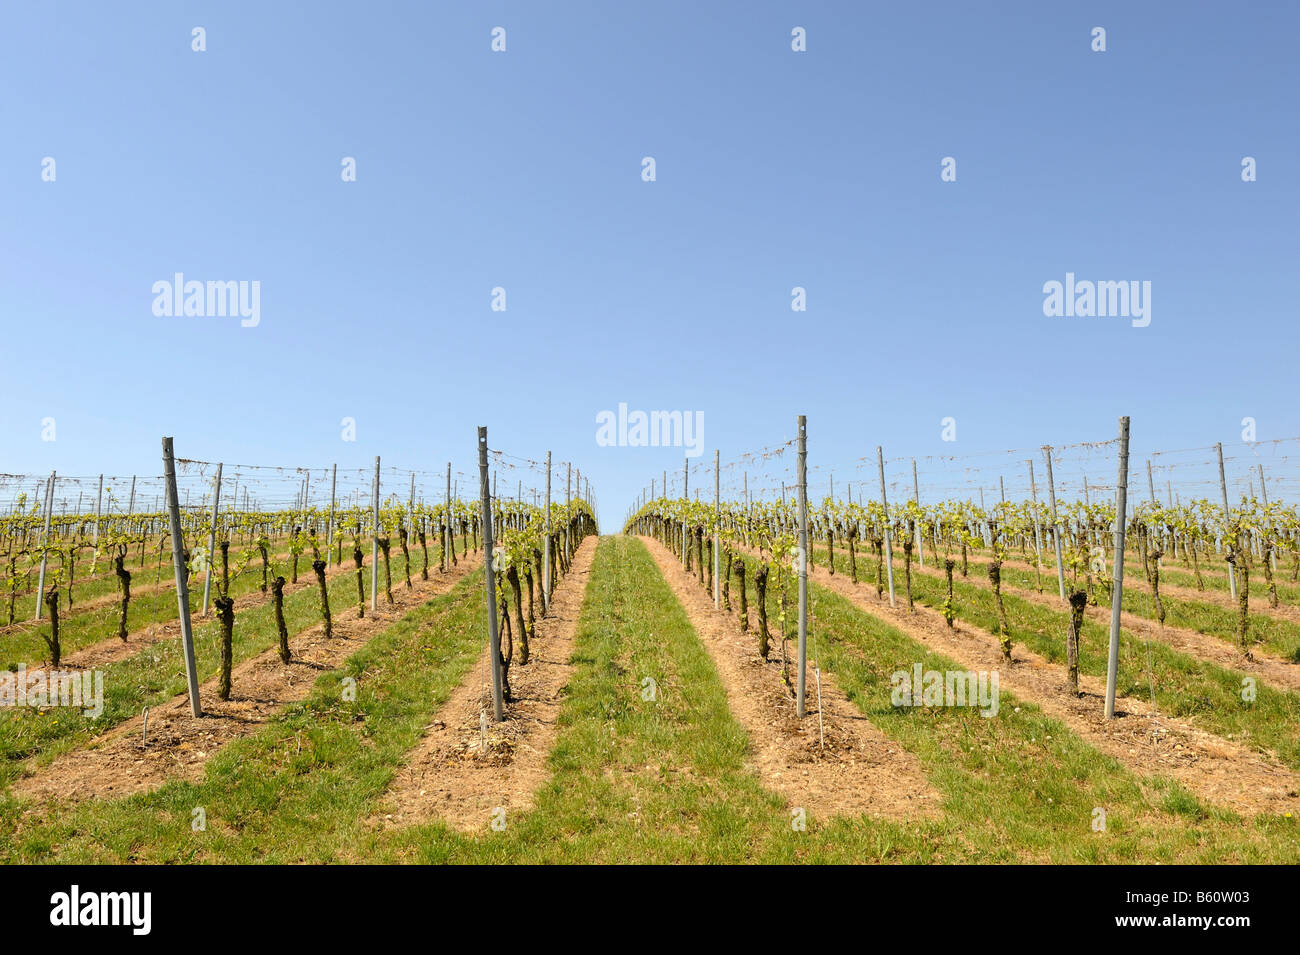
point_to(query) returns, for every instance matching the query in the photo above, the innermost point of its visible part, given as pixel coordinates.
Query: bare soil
(125, 761)
(1270, 667)
(831, 763)
(1214, 769)
(466, 767)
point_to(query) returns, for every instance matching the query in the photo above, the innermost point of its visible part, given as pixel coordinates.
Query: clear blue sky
(522, 169)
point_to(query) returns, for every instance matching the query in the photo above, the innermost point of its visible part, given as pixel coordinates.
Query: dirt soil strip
(857, 771)
(112, 649)
(1221, 599)
(1268, 666)
(1214, 769)
(119, 764)
(450, 775)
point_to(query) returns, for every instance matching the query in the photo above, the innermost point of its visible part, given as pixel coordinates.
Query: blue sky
(522, 169)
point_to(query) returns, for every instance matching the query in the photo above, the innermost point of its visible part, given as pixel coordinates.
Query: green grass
(1022, 785)
(1214, 571)
(79, 629)
(299, 789)
(665, 781)
(1205, 693)
(87, 587)
(156, 673)
(1275, 634)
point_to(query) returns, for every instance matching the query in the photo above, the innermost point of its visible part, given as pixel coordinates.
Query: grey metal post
(329, 523)
(1038, 527)
(686, 493)
(748, 509)
(130, 508)
(884, 504)
(494, 637)
(447, 537)
(803, 559)
(1117, 590)
(1263, 490)
(182, 582)
(568, 518)
(45, 537)
(1002, 488)
(717, 530)
(987, 533)
(374, 543)
(546, 549)
(212, 541)
(916, 496)
(1056, 523)
(1227, 517)
(1151, 484)
(99, 509)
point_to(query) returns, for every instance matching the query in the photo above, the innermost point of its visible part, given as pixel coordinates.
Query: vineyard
(381, 664)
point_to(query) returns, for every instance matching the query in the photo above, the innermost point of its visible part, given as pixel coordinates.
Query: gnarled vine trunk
(361, 581)
(1078, 601)
(319, 567)
(124, 587)
(949, 610)
(52, 641)
(384, 544)
(226, 616)
(744, 596)
(1004, 630)
(277, 603)
(517, 598)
